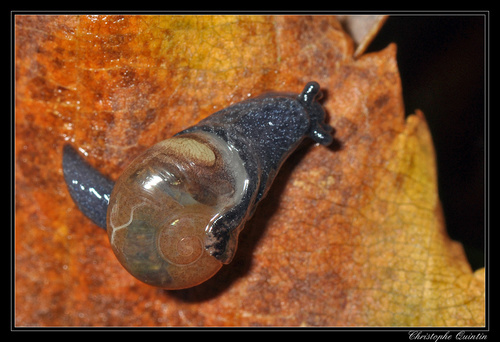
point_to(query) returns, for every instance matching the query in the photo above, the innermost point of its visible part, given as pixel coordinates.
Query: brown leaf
(348, 235)
(362, 28)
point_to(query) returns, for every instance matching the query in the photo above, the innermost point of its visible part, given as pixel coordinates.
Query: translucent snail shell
(174, 215)
(163, 202)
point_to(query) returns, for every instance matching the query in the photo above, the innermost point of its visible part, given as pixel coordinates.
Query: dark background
(442, 65)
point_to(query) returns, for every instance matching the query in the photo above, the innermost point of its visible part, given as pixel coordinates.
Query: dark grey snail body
(175, 214)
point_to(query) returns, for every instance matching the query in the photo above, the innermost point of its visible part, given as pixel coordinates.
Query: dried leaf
(348, 235)
(362, 28)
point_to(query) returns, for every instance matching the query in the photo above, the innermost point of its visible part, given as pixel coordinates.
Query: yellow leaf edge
(453, 294)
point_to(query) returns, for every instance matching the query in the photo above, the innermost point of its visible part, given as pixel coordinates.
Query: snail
(174, 215)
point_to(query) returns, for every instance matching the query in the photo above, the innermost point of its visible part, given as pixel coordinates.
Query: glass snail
(174, 215)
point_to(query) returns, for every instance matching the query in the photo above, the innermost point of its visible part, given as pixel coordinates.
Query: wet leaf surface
(349, 235)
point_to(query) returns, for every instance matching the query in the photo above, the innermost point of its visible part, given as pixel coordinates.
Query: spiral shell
(174, 215)
(163, 204)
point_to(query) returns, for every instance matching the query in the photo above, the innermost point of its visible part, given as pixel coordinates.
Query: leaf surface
(350, 235)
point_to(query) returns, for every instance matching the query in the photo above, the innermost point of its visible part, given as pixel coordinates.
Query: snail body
(175, 213)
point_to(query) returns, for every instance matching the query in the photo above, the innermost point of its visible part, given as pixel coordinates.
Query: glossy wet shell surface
(163, 204)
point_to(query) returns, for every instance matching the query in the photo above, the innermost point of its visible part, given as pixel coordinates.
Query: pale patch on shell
(193, 150)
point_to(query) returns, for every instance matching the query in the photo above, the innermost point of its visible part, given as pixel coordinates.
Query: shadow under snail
(174, 215)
